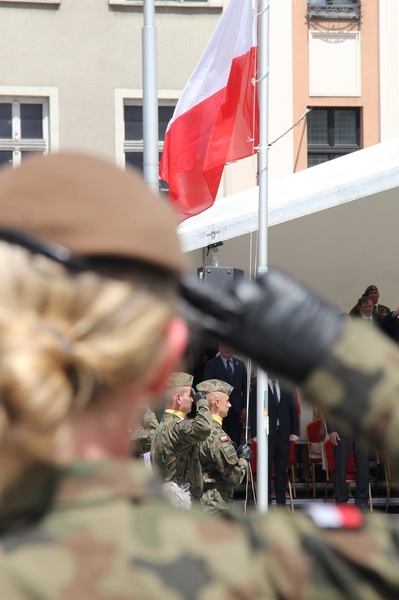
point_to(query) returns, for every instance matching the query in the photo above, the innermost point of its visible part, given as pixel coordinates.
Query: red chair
(314, 449)
(350, 470)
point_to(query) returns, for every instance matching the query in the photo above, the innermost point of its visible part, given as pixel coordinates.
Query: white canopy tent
(334, 226)
(351, 178)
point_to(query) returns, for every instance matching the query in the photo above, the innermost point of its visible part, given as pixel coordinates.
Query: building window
(133, 143)
(23, 129)
(332, 132)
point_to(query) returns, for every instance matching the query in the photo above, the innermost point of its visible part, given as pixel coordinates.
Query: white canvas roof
(372, 172)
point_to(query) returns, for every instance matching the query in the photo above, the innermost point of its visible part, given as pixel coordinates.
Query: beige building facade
(71, 78)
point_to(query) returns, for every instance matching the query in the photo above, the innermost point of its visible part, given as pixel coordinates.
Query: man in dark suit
(380, 310)
(389, 323)
(342, 445)
(283, 429)
(230, 369)
(367, 313)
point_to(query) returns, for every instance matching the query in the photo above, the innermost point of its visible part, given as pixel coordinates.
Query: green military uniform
(103, 531)
(357, 385)
(108, 534)
(222, 468)
(175, 451)
(142, 435)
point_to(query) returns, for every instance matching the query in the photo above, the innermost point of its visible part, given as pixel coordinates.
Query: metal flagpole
(262, 400)
(150, 97)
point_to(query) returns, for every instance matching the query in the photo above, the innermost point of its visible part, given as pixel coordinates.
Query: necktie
(274, 392)
(229, 368)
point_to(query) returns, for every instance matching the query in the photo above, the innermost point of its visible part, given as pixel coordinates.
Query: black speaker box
(220, 277)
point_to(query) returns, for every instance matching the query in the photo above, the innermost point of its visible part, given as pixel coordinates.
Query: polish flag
(216, 119)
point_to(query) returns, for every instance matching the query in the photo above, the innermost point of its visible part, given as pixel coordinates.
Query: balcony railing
(334, 9)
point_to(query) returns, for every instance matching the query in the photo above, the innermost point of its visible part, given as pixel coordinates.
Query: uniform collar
(218, 419)
(177, 413)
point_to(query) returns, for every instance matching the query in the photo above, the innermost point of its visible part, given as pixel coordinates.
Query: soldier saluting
(174, 449)
(224, 467)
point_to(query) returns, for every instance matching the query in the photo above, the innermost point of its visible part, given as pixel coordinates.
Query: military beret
(371, 288)
(215, 385)
(91, 207)
(179, 380)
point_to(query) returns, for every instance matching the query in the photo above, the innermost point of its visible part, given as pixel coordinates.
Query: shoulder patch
(230, 451)
(224, 438)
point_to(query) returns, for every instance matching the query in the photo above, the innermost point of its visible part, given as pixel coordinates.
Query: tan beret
(179, 380)
(215, 385)
(90, 206)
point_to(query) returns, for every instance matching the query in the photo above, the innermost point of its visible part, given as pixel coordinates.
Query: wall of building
(389, 68)
(353, 82)
(87, 49)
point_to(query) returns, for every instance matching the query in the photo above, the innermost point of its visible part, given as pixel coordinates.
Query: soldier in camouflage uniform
(174, 448)
(143, 434)
(223, 469)
(89, 333)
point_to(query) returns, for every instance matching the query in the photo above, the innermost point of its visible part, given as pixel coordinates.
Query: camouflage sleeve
(306, 560)
(150, 420)
(123, 541)
(231, 468)
(144, 434)
(357, 385)
(187, 432)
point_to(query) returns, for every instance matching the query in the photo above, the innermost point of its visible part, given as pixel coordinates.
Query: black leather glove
(197, 396)
(274, 320)
(244, 451)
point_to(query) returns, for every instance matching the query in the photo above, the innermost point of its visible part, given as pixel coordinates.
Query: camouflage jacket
(102, 531)
(222, 470)
(174, 449)
(143, 434)
(357, 386)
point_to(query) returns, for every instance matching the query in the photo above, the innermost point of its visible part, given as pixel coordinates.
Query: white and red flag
(216, 119)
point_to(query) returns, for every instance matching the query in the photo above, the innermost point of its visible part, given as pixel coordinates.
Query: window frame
(330, 148)
(135, 97)
(48, 98)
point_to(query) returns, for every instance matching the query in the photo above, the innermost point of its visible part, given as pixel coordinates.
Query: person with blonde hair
(90, 277)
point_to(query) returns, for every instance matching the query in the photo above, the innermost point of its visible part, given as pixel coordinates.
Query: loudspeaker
(220, 277)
